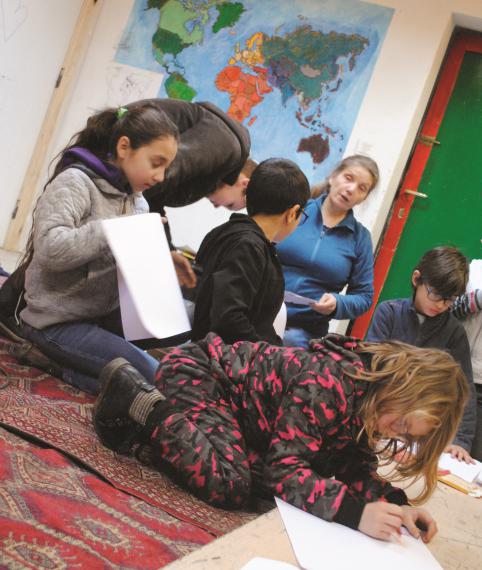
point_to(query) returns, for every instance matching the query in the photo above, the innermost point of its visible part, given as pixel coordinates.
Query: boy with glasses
(425, 321)
(241, 288)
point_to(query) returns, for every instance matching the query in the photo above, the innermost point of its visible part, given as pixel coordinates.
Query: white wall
(34, 36)
(388, 120)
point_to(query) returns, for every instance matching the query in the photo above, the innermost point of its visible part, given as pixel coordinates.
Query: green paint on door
(452, 213)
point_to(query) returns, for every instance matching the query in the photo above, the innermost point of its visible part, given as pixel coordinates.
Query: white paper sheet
(319, 545)
(259, 563)
(150, 297)
(279, 324)
(296, 299)
(466, 471)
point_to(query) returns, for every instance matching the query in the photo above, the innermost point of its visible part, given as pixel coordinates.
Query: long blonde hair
(354, 160)
(409, 380)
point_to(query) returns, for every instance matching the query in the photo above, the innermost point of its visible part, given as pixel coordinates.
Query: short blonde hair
(409, 380)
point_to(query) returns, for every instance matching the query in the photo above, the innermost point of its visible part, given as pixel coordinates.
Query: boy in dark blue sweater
(241, 289)
(425, 321)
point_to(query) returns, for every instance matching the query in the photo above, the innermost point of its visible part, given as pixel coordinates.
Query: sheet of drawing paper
(296, 299)
(150, 297)
(279, 324)
(319, 545)
(466, 471)
(260, 563)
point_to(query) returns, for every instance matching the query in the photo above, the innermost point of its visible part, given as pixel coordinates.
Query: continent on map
(305, 61)
(252, 55)
(245, 90)
(178, 88)
(317, 146)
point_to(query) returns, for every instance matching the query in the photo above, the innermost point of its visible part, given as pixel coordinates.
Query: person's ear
(244, 182)
(123, 145)
(416, 278)
(292, 213)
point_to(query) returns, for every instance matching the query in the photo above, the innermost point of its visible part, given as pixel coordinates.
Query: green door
(452, 180)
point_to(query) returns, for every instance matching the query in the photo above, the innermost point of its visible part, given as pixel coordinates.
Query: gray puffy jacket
(72, 275)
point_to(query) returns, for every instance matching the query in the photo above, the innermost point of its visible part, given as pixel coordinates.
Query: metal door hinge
(15, 210)
(59, 78)
(415, 193)
(428, 140)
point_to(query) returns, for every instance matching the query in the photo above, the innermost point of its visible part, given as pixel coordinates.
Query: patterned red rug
(54, 514)
(59, 415)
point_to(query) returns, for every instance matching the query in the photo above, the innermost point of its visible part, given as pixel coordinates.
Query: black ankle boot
(121, 383)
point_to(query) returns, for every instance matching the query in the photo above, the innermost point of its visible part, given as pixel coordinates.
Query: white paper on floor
(259, 563)
(322, 545)
(466, 471)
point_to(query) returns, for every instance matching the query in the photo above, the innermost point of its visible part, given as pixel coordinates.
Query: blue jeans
(84, 348)
(300, 337)
(296, 337)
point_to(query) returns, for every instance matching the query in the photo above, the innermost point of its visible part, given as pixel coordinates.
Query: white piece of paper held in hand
(295, 299)
(149, 293)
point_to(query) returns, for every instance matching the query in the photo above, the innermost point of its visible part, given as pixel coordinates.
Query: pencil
(187, 255)
(454, 485)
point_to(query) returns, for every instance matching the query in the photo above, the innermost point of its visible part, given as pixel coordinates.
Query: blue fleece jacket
(318, 260)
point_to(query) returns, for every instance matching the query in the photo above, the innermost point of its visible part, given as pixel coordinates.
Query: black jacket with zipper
(242, 286)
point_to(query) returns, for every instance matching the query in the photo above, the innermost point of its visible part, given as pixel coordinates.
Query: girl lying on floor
(229, 421)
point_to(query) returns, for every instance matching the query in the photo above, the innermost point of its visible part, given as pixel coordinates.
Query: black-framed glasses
(436, 298)
(301, 212)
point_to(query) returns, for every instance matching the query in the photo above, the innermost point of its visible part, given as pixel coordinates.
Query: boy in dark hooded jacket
(242, 286)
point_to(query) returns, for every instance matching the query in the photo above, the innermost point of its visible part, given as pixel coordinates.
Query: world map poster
(293, 71)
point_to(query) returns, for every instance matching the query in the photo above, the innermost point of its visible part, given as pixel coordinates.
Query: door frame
(463, 41)
(73, 59)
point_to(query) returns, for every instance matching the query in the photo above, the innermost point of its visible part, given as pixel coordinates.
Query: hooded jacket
(397, 320)
(213, 147)
(241, 289)
(72, 275)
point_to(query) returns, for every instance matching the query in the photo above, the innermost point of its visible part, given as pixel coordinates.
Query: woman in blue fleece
(329, 250)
